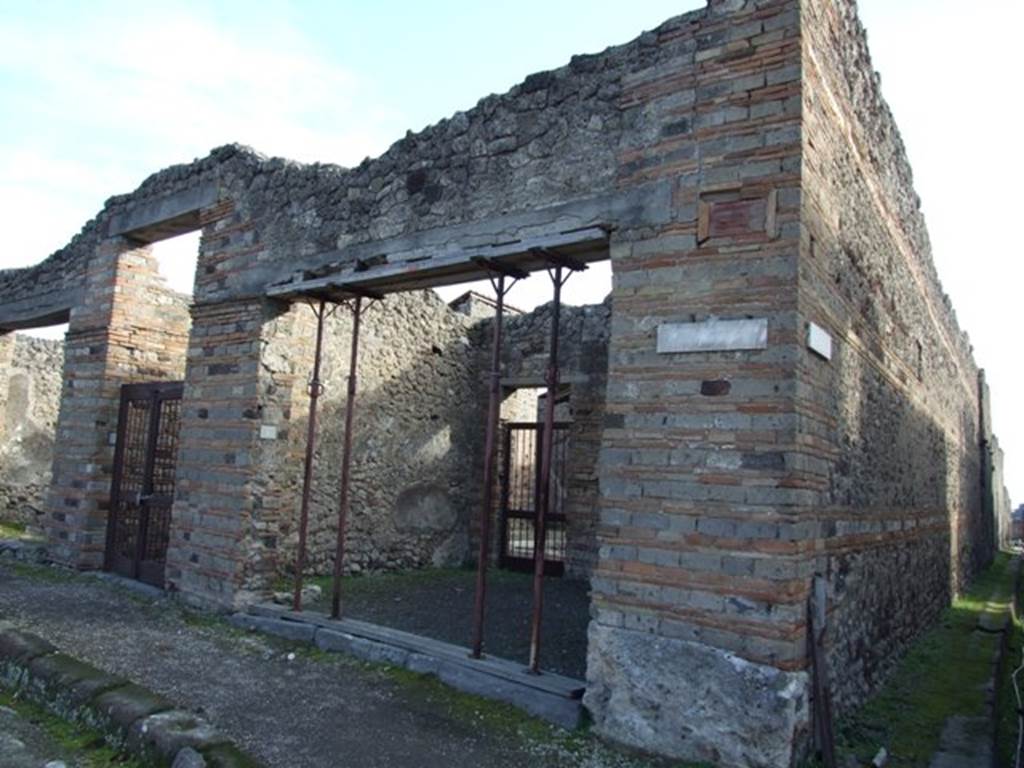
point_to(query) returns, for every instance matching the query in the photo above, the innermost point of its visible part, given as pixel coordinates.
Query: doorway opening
(142, 491)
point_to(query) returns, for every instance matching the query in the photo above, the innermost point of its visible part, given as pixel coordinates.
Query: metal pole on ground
(315, 388)
(544, 492)
(346, 459)
(493, 407)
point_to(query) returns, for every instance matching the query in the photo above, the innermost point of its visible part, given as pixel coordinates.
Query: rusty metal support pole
(493, 404)
(346, 460)
(307, 476)
(544, 495)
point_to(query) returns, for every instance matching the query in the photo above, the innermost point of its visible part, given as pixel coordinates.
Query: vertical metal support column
(544, 495)
(346, 459)
(315, 388)
(493, 403)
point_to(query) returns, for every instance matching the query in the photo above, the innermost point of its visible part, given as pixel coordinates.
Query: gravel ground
(286, 706)
(439, 604)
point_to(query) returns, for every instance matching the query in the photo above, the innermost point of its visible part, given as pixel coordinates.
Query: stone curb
(131, 717)
(563, 712)
(23, 551)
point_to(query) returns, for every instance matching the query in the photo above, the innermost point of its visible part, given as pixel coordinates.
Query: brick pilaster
(236, 467)
(128, 328)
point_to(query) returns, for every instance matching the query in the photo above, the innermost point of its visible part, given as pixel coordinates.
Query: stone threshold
(548, 696)
(130, 717)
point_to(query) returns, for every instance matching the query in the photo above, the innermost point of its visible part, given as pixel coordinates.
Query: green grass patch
(385, 583)
(942, 675)
(42, 573)
(1007, 727)
(85, 744)
(12, 530)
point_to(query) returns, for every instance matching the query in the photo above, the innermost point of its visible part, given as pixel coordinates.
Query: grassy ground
(10, 530)
(382, 584)
(1006, 744)
(87, 746)
(942, 675)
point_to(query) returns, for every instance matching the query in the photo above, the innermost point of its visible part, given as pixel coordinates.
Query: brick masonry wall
(226, 508)
(890, 426)
(32, 395)
(705, 547)
(129, 328)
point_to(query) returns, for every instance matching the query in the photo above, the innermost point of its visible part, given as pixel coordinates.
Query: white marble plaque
(713, 336)
(819, 341)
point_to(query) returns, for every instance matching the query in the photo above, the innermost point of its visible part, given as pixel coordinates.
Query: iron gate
(142, 490)
(520, 488)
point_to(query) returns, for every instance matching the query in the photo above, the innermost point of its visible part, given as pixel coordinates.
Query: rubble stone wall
(890, 427)
(33, 383)
(418, 431)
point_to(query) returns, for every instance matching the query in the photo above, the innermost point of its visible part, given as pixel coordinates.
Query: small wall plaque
(819, 341)
(713, 336)
(268, 432)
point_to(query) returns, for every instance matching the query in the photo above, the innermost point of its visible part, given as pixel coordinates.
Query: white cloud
(129, 94)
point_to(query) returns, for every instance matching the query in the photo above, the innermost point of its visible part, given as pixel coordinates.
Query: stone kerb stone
(130, 717)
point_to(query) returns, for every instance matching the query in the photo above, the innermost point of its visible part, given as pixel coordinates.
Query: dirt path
(285, 707)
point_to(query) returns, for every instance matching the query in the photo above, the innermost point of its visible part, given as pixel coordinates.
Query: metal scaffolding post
(493, 407)
(547, 441)
(315, 389)
(346, 457)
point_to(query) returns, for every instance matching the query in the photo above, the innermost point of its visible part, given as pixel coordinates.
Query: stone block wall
(889, 428)
(32, 382)
(130, 328)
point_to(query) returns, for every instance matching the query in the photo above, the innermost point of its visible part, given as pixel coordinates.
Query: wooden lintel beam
(496, 266)
(359, 290)
(559, 259)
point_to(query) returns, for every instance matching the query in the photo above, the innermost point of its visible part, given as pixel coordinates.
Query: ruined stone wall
(418, 429)
(889, 427)
(724, 472)
(33, 382)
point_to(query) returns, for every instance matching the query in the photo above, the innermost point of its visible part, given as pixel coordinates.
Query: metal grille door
(142, 491)
(519, 497)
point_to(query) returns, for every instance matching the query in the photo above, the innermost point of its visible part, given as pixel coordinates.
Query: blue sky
(96, 96)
